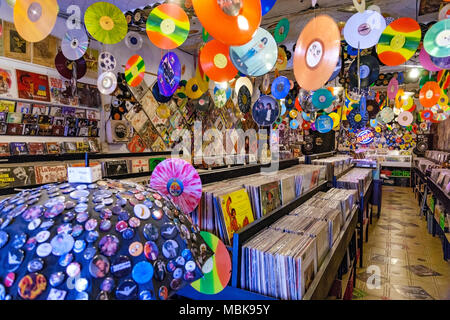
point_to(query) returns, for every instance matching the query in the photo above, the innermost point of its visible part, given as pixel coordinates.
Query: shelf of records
(357, 178)
(26, 150)
(336, 165)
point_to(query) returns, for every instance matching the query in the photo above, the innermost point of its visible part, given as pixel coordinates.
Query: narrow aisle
(409, 259)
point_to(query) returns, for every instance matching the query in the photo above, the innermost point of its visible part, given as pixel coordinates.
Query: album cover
(91, 58)
(17, 176)
(30, 119)
(14, 45)
(153, 162)
(18, 148)
(4, 149)
(4, 116)
(58, 121)
(158, 145)
(70, 147)
(70, 121)
(36, 148)
(32, 86)
(93, 114)
(3, 127)
(50, 174)
(93, 123)
(115, 167)
(88, 95)
(82, 146)
(14, 129)
(14, 117)
(44, 119)
(81, 122)
(93, 132)
(7, 106)
(56, 112)
(138, 119)
(288, 190)
(236, 210)
(94, 145)
(53, 148)
(40, 109)
(30, 129)
(45, 130)
(70, 131)
(23, 107)
(83, 132)
(139, 165)
(149, 135)
(45, 51)
(6, 83)
(270, 197)
(58, 130)
(68, 111)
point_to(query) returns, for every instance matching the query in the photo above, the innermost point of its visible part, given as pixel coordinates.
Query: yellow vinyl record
(193, 90)
(163, 111)
(282, 60)
(336, 119)
(35, 19)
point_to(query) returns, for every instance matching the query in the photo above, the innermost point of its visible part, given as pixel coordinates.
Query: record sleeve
(115, 168)
(4, 149)
(32, 86)
(50, 174)
(236, 210)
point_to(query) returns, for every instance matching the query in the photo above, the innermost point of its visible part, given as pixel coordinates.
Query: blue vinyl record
(293, 124)
(324, 123)
(158, 96)
(169, 74)
(280, 87)
(265, 110)
(322, 99)
(267, 5)
(352, 51)
(305, 116)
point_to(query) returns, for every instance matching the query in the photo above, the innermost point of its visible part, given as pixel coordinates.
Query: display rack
(309, 158)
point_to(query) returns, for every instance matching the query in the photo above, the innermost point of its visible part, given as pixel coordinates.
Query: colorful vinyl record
(267, 5)
(373, 123)
(443, 79)
(336, 71)
(324, 123)
(107, 83)
(437, 39)
(280, 87)
(169, 74)
(105, 22)
(444, 13)
(443, 100)
(168, 26)
(293, 124)
(65, 66)
(133, 41)
(204, 103)
(386, 115)
(439, 113)
(193, 89)
(227, 28)
(405, 118)
(281, 30)
(106, 61)
(217, 271)
(392, 88)
(357, 119)
(372, 108)
(74, 44)
(399, 41)
(293, 114)
(429, 94)
(363, 30)
(426, 114)
(317, 52)
(426, 62)
(179, 180)
(244, 99)
(220, 97)
(216, 63)
(369, 70)
(265, 111)
(243, 81)
(157, 95)
(163, 111)
(322, 99)
(336, 119)
(135, 70)
(282, 60)
(35, 19)
(443, 63)
(258, 56)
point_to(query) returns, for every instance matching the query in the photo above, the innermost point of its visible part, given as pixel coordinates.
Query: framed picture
(91, 57)
(32, 86)
(14, 45)
(44, 51)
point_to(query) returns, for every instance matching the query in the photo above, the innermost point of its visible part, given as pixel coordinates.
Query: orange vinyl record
(233, 24)
(317, 52)
(216, 63)
(429, 94)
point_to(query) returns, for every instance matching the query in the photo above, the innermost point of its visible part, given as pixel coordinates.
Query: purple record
(443, 63)
(65, 66)
(169, 74)
(265, 111)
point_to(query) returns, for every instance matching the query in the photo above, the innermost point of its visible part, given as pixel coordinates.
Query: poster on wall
(61, 91)
(88, 95)
(91, 58)
(32, 86)
(14, 45)
(44, 51)
(7, 83)
(2, 51)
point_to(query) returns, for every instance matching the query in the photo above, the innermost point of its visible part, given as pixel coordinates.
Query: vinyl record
(392, 88)
(265, 111)
(293, 124)
(229, 29)
(133, 41)
(372, 108)
(204, 103)
(405, 118)
(267, 5)
(443, 63)
(293, 114)
(357, 119)
(178, 180)
(65, 66)
(386, 115)
(282, 60)
(193, 89)
(322, 99)
(369, 70)
(168, 26)
(316, 52)
(443, 100)
(336, 119)
(281, 30)
(135, 70)
(399, 41)
(373, 123)
(429, 94)
(220, 97)
(280, 87)
(324, 123)
(437, 39)
(306, 125)
(336, 71)
(169, 74)
(74, 44)
(107, 83)
(35, 19)
(106, 61)
(258, 56)
(426, 62)
(444, 13)
(443, 79)
(105, 22)
(426, 114)
(217, 274)
(163, 111)
(363, 30)
(243, 81)
(244, 99)
(290, 100)
(216, 63)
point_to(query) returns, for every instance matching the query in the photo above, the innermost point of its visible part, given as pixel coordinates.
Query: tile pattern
(409, 260)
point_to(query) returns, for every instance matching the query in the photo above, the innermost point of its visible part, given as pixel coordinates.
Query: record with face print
(265, 111)
(369, 70)
(169, 74)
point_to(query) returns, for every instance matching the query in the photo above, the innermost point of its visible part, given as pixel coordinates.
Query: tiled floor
(409, 260)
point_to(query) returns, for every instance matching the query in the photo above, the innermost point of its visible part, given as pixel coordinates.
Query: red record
(426, 114)
(228, 27)
(216, 63)
(65, 66)
(429, 94)
(306, 125)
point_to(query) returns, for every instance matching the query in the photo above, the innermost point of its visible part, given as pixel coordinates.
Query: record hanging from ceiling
(133, 41)
(399, 41)
(74, 44)
(106, 61)
(363, 30)
(216, 63)
(443, 63)
(281, 30)
(372, 108)
(426, 62)
(322, 99)
(157, 94)
(280, 87)
(35, 19)
(258, 56)
(429, 94)
(437, 39)
(65, 66)
(107, 83)
(244, 99)
(233, 30)
(369, 70)
(440, 113)
(282, 60)
(317, 52)
(265, 110)
(392, 88)
(168, 26)
(135, 70)
(220, 97)
(243, 81)
(169, 74)
(105, 22)
(267, 5)
(193, 89)
(405, 118)
(357, 118)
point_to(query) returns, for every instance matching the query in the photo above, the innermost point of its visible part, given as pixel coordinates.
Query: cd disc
(216, 63)
(280, 87)
(322, 99)
(282, 60)
(193, 89)
(233, 30)
(107, 83)
(177, 179)
(105, 22)
(363, 30)
(444, 13)
(243, 81)
(429, 94)
(405, 118)
(74, 44)
(437, 39)
(281, 30)
(133, 41)
(169, 74)
(258, 56)
(106, 61)
(135, 70)
(392, 88)
(168, 26)
(426, 62)
(65, 66)
(35, 19)
(443, 63)
(265, 111)
(244, 99)
(316, 52)
(369, 70)
(439, 113)
(399, 41)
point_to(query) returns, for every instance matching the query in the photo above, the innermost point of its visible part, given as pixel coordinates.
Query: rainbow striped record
(179, 180)
(168, 26)
(169, 74)
(135, 70)
(217, 270)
